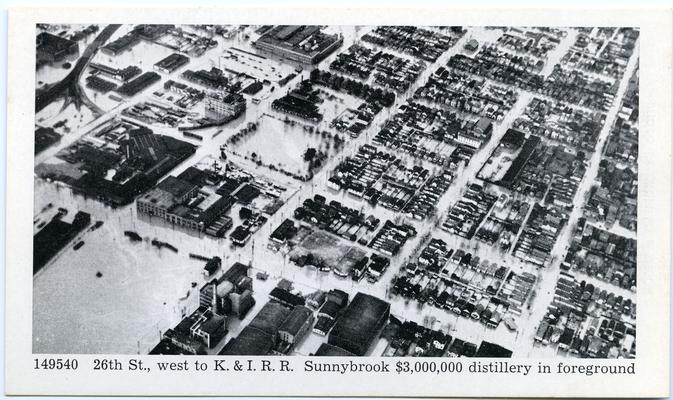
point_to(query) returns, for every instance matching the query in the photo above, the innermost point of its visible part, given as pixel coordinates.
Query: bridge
(68, 87)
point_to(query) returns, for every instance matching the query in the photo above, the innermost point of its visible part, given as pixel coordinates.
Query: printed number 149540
(56, 363)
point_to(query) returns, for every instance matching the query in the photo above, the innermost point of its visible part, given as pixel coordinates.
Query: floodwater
(114, 296)
(137, 296)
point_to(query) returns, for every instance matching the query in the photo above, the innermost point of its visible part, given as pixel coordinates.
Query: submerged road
(68, 87)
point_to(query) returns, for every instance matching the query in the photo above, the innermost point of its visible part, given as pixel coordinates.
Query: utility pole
(252, 253)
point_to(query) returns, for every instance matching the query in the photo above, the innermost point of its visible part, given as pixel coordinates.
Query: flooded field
(282, 144)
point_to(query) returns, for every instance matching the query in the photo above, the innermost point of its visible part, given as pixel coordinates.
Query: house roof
(296, 320)
(329, 308)
(285, 296)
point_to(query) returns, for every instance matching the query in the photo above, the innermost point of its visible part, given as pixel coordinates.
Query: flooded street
(113, 295)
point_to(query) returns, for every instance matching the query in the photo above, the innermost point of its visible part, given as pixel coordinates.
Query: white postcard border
(651, 363)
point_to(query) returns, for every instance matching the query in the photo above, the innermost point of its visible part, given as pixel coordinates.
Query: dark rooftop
(492, 350)
(327, 350)
(270, 318)
(250, 342)
(246, 193)
(234, 273)
(297, 318)
(213, 324)
(361, 322)
(173, 61)
(240, 233)
(167, 347)
(330, 308)
(286, 297)
(338, 296)
(52, 43)
(513, 137)
(194, 176)
(176, 186)
(305, 39)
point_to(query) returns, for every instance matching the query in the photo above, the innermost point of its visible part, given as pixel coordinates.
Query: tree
(357, 89)
(310, 154)
(388, 99)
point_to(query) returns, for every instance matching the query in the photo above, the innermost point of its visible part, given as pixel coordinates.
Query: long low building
(171, 63)
(119, 74)
(360, 325)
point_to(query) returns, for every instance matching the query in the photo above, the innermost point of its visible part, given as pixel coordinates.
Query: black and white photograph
(339, 202)
(435, 191)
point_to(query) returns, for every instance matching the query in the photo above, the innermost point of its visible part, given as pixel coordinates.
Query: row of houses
(462, 282)
(583, 320)
(578, 87)
(358, 173)
(467, 214)
(418, 42)
(528, 41)
(539, 234)
(336, 218)
(429, 133)
(422, 204)
(501, 66)
(454, 296)
(354, 121)
(389, 70)
(466, 93)
(606, 256)
(504, 222)
(391, 237)
(561, 123)
(413, 340)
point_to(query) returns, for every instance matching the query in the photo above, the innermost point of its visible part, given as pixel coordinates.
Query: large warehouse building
(360, 325)
(301, 43)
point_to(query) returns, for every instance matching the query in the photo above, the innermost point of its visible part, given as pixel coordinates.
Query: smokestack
(214, 298)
